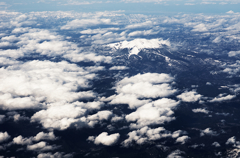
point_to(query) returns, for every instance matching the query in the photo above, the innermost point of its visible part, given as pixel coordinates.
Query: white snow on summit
(138, 44)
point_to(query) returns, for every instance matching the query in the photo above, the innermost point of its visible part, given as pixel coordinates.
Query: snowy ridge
(138, 44)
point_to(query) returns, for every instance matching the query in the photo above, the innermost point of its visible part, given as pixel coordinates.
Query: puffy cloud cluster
(41, 146)
(20, 140)
(105, 139)
(157, 112)
(148, 85)
(144, 135)
(191, 96)
(29, 84)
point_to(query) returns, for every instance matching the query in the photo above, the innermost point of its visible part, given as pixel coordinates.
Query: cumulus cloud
(55, 155)
(4, 136)
(136, 45)
(208, 132)
(145, 134)
(157, 112)
(176, 154)
(41, 146)
(118, 68)
(178, 133)
(216, 144)
(182, 139)
(233, 53)
(191, 96)
(20, 140)
(27, 85)
(105, 139)
(199, 110)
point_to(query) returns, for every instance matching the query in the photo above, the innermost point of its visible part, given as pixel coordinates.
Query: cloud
(22, 141)
(136, 45)
(182, 139)
(40, 136)
(4, 136)
(216, 144)
(176, 154)
(191, 96)
(118, 68)
(55, 155)
(233, 53)
(130, 99)
(143, 33)
(222, 97)
(178, 133)
(230, 12)
(88, 57)
(140, 25)
(200, 28)
(78, 23)
(208, 132)
(60, 116)
(154, 113)
(105, 139)
(199, 110)
(41, 146)
(27, 85)
(145, 134)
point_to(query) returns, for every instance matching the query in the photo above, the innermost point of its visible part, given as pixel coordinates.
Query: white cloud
(222, 97)
(130, 99)
(230, 12)
(118, 68)
(182, 139)
(45, 136)
(199, 110)
(22, 141)
(191, 96)
(40, 136)
(4, 137)
(176, 154)
(55, 155)
(78, 23)
(86, 57)
(59, 116)
(233, 53)
(154, 113)
(105, 139)
(144, 135)
(26, 85)
(136, 45)
(208, 132)
(200, 28)
(41, 146)
(140, 25)
(216, 144)
(231, 140)
(178, 133)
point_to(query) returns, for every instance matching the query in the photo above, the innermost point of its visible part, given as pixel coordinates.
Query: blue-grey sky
(129, 6)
